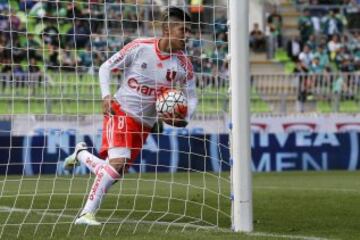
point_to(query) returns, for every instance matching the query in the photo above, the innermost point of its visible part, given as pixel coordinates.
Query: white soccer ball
(172, 101)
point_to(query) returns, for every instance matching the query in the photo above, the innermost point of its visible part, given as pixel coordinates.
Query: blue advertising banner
(173, 152)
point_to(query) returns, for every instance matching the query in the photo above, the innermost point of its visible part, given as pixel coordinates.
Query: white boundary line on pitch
(273, 235)
(255, 234)
(346, 190)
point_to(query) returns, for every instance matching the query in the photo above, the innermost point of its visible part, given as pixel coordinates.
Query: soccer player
(150, 66)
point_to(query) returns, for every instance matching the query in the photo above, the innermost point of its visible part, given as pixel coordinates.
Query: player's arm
(119, 60)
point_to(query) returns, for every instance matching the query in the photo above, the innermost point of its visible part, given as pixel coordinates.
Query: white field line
(344, 190)
(272, 235)
(255, 234)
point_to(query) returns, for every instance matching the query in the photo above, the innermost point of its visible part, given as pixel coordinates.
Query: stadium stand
(313, 40)
(41, 38)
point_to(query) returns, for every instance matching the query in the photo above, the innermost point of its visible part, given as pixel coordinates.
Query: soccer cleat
(71, 161)
(87, 219)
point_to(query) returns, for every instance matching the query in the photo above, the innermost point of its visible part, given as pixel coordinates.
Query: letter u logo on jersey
(170, 75)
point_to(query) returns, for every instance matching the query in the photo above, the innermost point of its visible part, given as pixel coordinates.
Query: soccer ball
(172, 101)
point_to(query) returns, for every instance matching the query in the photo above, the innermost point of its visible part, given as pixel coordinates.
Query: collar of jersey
(163, 55)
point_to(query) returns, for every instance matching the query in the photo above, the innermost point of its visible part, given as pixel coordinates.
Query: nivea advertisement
(44, 152)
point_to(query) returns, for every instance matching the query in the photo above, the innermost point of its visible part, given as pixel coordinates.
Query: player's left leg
(105, 177)
(123, 138)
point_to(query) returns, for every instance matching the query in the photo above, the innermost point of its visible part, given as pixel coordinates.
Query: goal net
(50, 100)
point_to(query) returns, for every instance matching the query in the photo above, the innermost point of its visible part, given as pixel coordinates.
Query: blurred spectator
(38, 10)
(19, 76)
(114, 14)
(197, 41)
(33, 66)
(302, 85)
(220, 25)
(311, 42)
(305, 26)
(347, 65)
(272, 42)
(6, 66)
(131, 15)
(316, 14)
(197, 14)
(50, 34)
(257, 39)
(26, 5)
(357, 58)
(4, 5)
(98, 42)
(306, 56)
(334, 46)
(274, 21)
(224, 70)
(4, 52)
(52, 62)
(352, 11)
(333, 23)
(294, 48)
(322, 55)
(14, 21)
(342, 55)
(73, 12)
(32, 46)
(34, 76)
(67, 59)
(78, 36)
(17, 51)
(85, 60)
(3, 19)
(221, 38)
(315, 66)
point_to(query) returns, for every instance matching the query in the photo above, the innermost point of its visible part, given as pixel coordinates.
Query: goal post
(240, 117)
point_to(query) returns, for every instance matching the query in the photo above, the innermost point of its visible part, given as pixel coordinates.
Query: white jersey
(147, 72)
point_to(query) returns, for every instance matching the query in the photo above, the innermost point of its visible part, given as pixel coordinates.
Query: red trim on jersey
(130, 46)
(122, 53)
(141, 40)
(158, 52)
(187, 65)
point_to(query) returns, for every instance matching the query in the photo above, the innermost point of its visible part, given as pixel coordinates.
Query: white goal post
(242, 217)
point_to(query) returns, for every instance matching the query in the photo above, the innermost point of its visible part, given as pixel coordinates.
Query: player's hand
(173, 120)
(106, 104)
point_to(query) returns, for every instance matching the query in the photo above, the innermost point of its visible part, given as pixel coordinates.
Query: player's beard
(179, 45)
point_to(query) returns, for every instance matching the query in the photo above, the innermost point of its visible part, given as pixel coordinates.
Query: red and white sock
(92, 162)
(105, 177)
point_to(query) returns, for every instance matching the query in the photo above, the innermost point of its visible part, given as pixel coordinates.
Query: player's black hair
(177, 13)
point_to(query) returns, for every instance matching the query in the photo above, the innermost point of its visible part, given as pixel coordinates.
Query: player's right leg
(81, 154)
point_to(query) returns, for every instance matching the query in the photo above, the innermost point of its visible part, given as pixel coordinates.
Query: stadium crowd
(68, 36)
(329, 37)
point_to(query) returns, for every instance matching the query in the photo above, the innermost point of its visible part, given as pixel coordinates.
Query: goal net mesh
(50, 99)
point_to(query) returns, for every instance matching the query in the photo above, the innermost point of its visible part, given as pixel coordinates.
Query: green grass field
(293, 205)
